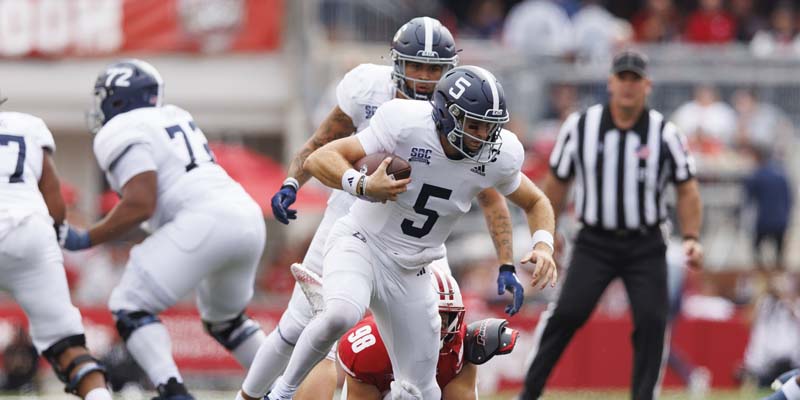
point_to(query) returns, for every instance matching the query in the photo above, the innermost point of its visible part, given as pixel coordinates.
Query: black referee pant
(600, 256)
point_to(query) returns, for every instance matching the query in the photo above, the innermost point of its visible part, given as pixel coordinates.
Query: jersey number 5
(425, 193)
(5, 140)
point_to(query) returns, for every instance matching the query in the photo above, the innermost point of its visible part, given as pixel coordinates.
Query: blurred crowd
(589, 29)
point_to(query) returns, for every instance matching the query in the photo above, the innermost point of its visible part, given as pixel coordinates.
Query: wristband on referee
(545, 237)
(350, 181)
(292, 183)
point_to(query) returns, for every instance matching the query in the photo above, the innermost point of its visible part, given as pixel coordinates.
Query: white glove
(402, 390)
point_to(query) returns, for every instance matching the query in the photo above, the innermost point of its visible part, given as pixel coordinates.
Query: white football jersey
(441, 189)
(22, 140)
(187, 173)
(359, 94)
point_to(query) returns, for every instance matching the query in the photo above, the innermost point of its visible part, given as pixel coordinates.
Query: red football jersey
(363, 356)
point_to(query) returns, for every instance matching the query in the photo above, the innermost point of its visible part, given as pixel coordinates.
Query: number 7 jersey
(187, 173)
(22, 140)
(441, 189)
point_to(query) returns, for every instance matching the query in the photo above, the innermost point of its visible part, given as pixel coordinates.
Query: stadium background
(258, 75)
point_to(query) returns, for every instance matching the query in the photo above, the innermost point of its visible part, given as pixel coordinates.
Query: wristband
(691, 237)
(361, 186)
(508, 267)
(291, 182)
(350, 180)
(544, 237)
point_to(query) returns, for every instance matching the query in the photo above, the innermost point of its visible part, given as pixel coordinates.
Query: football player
(786, 386)
(208, 233)
(31, 263)
(378, 255)
(363, 357)
(422, 50)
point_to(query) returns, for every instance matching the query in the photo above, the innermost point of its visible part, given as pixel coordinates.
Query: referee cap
(630, 60)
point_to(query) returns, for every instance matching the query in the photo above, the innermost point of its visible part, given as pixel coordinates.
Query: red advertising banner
(56, 28)
(600, 355)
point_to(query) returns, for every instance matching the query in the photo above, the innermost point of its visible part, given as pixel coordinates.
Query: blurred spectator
(781, 36)
(20, 362)
(769, 191)
(708, 122)
(761, 124)
(710, 24)
(538, 28)
(657, 22)
(598, 33)
(774, 346)
(484, 20)
(748, 21)
(538, 145)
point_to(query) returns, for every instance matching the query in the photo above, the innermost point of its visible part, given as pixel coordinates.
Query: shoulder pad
(114, 139)
(487, 338)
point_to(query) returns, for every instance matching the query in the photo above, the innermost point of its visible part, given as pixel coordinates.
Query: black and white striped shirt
(620, 176)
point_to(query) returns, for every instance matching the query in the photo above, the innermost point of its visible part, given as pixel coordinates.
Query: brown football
(399, 168)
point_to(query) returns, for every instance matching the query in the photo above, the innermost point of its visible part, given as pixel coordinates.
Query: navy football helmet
(470, 93)
(124, 86)
(423, 40)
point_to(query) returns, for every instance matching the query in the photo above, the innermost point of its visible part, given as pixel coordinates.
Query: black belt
(622, 233)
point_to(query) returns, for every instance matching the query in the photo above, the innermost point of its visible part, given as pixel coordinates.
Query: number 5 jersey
(412, 230)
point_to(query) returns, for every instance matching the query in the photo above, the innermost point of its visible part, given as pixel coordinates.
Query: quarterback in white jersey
(377, 255)
(31, 264)
(422, 50)
(208, 233)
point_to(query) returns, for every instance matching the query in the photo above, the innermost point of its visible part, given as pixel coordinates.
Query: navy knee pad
(233, 332)
(129, 321)
(84, 363)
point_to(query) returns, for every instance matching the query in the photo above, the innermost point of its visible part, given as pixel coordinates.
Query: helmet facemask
(402, 80)
(489, 147)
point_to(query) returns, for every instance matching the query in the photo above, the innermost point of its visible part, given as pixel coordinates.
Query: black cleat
(172, 390)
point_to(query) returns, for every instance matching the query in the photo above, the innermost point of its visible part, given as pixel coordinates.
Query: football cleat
(311, 285)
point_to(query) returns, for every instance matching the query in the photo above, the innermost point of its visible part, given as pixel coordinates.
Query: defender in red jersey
(363, 356)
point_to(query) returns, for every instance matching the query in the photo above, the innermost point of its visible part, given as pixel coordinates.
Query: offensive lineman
(378, 255)
(31, 262)
(208, 232)
(422, 50)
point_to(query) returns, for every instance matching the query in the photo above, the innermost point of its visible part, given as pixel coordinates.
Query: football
(398, 168)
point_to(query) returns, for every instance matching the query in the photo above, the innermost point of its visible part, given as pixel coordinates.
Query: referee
(621, 155)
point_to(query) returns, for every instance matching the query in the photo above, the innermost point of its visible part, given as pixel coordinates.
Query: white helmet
(451, 305)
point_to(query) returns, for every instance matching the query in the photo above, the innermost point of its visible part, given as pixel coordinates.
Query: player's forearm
(540, 215)
(296, 166)
(498, 221)
(327, 166)
(690, 209)
(125, 216)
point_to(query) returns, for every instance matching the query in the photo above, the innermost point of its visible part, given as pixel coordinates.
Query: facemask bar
(95, 117)
(489, 147)
(401, 80)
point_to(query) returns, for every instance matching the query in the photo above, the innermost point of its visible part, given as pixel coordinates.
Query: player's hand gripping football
(544, 267)
(382, 187)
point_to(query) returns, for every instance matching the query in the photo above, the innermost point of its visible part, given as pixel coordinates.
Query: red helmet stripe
(439, 280)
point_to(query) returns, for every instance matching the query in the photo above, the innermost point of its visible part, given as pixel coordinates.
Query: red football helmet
(451, 305)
